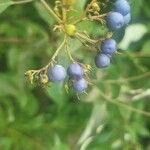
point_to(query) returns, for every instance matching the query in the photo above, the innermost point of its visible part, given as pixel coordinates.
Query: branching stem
(86, 38)
(52, 59)
(64, 13)
(145, 113)
(51, 11)
(68, 51)
(58, 50)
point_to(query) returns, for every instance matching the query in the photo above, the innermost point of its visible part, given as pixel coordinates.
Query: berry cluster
(120, 16)
(77, 72)
(116, 19)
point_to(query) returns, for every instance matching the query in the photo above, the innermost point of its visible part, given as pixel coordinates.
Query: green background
(49, 118)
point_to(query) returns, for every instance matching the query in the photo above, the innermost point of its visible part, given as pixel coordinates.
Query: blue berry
(122, 6)
(80, 85)
(127, 19)
(75, 71)
(108, 46)
(57, 73)
(115, 21)
(102, 60)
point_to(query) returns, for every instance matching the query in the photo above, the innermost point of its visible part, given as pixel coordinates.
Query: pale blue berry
(108, 46)
(102, 60)
(80, 85)
(122, 6)
(57, 73)
(127, 19)
(75, 71)
(115, 21)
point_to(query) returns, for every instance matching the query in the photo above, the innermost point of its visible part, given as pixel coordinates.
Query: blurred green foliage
(40, 118)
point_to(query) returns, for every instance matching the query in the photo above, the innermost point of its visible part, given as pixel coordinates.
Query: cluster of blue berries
(116, 19)
(120, 16)
(75, 72)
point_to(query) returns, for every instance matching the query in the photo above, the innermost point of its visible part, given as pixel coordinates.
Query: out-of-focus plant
(46, 118)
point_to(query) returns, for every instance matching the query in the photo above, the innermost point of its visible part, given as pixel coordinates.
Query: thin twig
(145, 113)
(52, 59)
(68, 51)
(82, 17)
(58, 49)
(86, 38)
(51, 11)
(64, 13)
(130, 79)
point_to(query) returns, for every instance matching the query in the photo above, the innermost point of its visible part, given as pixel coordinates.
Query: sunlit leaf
(44, 13)
(4, 4)
(133, 33)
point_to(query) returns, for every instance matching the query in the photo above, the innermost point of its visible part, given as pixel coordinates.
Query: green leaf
(57, 93)
(5, 143)
(81, 3)
(146, 46)
(89, 27)
(44, 13)
(30, 124)
(3, 119)
(6, 86)
(58, 144)
(115, 90)
(4, 4)
(31, 106)
(7, 103)
(135, 8)
(133, 33)
(13, 58)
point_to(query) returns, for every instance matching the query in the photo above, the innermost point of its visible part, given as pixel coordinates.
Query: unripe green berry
(95, 7)
(70, 29)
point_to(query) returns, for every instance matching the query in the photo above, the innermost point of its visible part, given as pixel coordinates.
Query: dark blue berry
(75, 71)
(102, 60)
(57, 73)
(122, 6)
(115, 21)
(127, 19)
(80, 85)
(108, 46)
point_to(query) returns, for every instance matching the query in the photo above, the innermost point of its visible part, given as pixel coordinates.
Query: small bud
(95, 7)
(87, 68)
(29, 72)
(30, 75)
(44, 79)
(70, 29)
